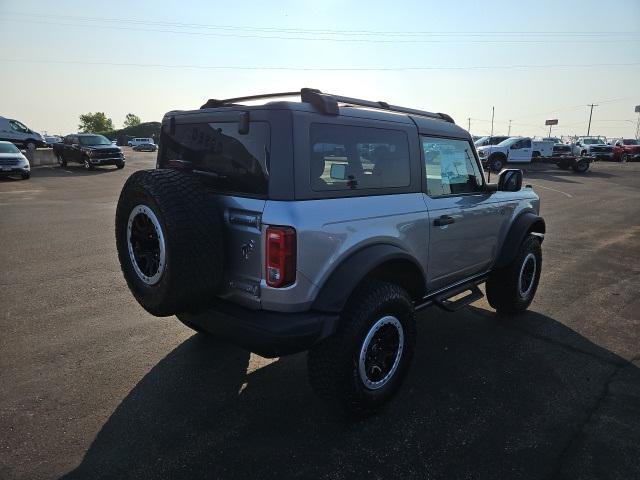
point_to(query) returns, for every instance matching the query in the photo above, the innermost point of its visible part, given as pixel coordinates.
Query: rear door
(521, 151)
(465, 220)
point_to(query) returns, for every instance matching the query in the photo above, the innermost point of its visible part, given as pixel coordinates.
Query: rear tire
(512, 289)
(581, 166)
(169, 241)
(359, 368)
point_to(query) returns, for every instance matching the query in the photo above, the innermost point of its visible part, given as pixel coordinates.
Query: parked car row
(597, 147)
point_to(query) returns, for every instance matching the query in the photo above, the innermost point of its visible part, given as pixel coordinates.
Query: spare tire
(169, 240)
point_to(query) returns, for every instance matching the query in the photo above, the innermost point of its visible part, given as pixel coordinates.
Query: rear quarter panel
(329, 231)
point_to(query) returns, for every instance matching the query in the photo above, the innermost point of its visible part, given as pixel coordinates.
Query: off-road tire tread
(502, 285)
(329, 362)
(193, 236)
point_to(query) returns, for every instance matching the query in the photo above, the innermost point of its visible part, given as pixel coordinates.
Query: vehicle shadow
(75, 170)
(566, 176)
(486, 398)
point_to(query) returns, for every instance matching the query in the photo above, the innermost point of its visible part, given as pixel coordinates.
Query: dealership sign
(551, 122)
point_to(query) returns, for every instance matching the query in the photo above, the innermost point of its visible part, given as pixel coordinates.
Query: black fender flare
(523, 224)
(341, 283)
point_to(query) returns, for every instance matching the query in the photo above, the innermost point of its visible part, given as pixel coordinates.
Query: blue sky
(458, 43)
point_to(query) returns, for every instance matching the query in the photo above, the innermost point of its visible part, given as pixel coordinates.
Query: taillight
(281, 256)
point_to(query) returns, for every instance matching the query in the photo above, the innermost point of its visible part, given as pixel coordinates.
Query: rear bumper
(269, 334)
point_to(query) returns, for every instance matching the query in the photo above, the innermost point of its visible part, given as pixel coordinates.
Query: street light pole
(590, 115)
(493, 111)
(509, 132)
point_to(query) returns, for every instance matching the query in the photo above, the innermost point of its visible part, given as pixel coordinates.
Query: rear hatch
(235, 166)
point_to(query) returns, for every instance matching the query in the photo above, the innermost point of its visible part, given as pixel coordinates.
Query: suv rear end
(297, 226)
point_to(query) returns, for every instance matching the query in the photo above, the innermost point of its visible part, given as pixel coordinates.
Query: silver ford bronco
(324, 225)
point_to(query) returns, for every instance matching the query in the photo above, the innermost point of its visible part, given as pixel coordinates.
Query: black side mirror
(510, 180)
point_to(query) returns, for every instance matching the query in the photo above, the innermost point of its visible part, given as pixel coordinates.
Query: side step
(443, 301)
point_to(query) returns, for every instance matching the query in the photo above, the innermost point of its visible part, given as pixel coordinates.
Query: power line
(323, 39)
(345, 32)
(318, 69)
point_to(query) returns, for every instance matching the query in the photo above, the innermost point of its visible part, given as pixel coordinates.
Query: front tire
(119, 165)
(26, 175)
(496, 162)
(359, 368)
(512, 289)
(87, 164)
(624, 158)
(61, 161)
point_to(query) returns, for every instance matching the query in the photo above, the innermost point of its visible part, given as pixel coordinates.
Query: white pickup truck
(516, 150)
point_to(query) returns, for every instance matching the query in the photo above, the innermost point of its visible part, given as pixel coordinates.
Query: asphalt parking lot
(94, 387)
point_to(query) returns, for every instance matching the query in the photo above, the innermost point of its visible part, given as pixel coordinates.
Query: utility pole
(493, 111)
(509, 132)
(469, 129)
(590, 115)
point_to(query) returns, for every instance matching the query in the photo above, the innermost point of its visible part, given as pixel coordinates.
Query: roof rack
(328, 103)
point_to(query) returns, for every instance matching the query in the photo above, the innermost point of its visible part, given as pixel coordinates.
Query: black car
(89, 149)
(145, 147)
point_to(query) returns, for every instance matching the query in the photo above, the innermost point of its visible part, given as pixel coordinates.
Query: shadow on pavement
(70, 170)
(486, 398)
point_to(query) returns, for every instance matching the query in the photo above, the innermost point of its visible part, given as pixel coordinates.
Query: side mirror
(23, 152)
(510, 180)
(578, 144)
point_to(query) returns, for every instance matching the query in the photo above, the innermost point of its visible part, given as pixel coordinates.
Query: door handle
(444, 220)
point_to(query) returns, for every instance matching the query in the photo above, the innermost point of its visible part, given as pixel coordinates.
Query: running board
(443, 301)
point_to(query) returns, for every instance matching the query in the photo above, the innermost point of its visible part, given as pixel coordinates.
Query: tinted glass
(234, 163)
(8, 148)
(17, 126)
(344, 157)
(630, 142)
(450, 166)
(94, 140)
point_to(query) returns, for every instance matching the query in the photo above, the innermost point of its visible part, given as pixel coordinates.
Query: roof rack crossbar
(214, 103)
(328, 103)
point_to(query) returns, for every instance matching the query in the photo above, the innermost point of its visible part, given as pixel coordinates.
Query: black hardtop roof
(314, 101)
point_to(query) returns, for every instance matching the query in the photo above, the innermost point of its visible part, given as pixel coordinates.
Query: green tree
(95, 122)
(131, 120)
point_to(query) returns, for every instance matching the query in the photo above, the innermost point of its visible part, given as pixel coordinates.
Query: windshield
(481, 140)
(509, 141)
(592, 141)
(629, 141)
(8, 148)
(94, 140)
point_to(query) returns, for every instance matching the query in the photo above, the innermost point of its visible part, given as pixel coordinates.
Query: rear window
(232, 162)
(345, 158)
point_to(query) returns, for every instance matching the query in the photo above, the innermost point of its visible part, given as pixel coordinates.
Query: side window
(75, 140)
(344, 158)
(451, 167)
(17, 126)
(526, 143)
